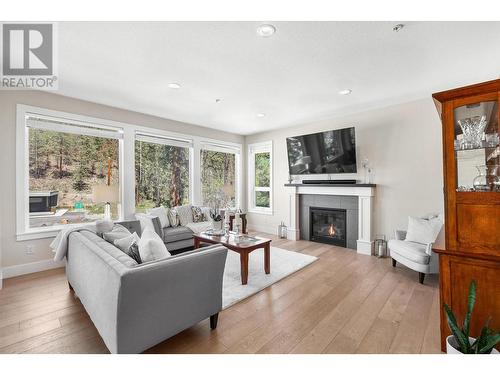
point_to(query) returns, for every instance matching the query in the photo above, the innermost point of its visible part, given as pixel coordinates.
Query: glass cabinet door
(476, 146)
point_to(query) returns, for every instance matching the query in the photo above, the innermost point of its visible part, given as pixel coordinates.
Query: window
(219, 176)
(260, 177)
(72, 167)
(69, 166)
(161, 172)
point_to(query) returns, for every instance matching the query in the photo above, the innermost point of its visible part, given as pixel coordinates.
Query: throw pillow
(103, 226)
(197, 214)
(129, 245)
(423, 231)
(185, 214)
(173, 218)
(162, 213)
(151, 246)
(119, 231)
(151, 222)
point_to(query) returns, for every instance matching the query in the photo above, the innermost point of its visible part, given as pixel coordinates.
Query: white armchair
(417, 256)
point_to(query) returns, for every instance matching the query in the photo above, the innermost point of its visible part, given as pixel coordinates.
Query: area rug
(283, 263)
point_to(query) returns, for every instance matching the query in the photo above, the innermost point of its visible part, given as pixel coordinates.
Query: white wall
(403, 144)
(13, 252)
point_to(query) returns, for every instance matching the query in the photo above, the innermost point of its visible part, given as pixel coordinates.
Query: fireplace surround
(364, 194)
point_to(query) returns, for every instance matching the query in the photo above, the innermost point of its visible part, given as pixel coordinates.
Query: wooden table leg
(267, 258)
(196, 243)
(244, 267)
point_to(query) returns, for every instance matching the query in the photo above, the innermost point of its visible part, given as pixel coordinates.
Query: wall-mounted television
(333, 151)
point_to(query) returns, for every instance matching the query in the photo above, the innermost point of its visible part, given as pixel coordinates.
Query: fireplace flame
(331, 230)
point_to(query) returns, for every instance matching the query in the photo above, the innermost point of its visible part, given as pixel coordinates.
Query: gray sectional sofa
(136, 306)
(178, 237)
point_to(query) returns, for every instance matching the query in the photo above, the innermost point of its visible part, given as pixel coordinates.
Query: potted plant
(216, 219)
(460, 342)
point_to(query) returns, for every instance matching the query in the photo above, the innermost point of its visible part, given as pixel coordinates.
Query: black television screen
(333, 151)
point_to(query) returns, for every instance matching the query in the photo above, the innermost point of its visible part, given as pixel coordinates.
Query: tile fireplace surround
(365, 194)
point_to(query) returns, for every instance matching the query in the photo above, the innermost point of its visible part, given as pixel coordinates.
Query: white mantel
(365, 194)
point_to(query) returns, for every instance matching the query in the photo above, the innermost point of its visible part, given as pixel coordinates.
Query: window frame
(126, 161)
(257, 148)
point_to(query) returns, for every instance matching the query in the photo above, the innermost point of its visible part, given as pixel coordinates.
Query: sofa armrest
(160, 299)
(400, 234)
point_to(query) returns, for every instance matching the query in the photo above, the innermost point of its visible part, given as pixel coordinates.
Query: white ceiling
(292, 77)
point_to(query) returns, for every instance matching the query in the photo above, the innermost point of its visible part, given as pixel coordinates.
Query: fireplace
(328, 225)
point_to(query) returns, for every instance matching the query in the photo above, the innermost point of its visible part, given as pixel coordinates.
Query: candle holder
(380, 246)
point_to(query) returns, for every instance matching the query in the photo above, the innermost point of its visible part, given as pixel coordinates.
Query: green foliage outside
(218, 179)
(262, 178)
(161, 175)
(71, 164)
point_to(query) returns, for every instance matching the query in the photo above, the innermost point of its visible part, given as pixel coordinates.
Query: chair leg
(421, 277)
(394, 262)
(213, 321)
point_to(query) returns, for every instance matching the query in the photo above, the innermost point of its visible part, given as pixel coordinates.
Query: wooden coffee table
(242, 247)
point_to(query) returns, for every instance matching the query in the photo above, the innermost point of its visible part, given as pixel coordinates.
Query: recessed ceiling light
(266, 30)
(261, 115)
(174, 85)
(345, 92)
(398, 27)
(218, 100)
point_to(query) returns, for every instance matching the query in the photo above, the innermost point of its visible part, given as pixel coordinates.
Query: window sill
(37, 234)
(260, 212)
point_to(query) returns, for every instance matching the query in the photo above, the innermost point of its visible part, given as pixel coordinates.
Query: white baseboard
(261, 228)
(23, 269)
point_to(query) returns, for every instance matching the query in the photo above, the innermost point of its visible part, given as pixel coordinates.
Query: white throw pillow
(423, 231)
(151, 246)
(146, 221)
(162, 213)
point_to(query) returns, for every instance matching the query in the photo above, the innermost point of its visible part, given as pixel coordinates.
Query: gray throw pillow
(129, 245)
(119, 231)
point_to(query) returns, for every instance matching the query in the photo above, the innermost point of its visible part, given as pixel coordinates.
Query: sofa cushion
(110, 249)
(176, 234)
(162, 213)
(413, 251)
(185, 214)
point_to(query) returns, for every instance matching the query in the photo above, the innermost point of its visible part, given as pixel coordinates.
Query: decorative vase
(451, 345)
(217, 225)
(472, 129)
(487, 179)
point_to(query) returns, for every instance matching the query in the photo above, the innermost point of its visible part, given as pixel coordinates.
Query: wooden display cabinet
(470, 121)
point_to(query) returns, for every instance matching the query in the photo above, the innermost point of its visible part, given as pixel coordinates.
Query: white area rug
(283, 263)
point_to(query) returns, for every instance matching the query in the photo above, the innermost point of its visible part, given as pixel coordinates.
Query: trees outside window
(260, 177)
(218, 179)
(161, 175)
(67, 166)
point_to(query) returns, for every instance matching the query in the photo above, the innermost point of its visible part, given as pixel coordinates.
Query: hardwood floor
(343, 303)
